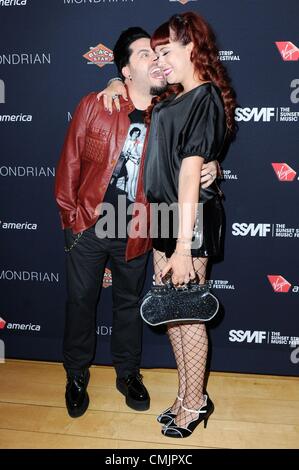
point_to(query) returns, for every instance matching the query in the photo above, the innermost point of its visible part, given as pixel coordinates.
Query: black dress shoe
(132, 388)
(76, 396)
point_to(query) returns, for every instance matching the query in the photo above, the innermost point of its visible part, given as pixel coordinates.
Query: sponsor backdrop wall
(52, 52)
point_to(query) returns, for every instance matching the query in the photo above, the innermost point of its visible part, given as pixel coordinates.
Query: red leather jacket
(91, 150)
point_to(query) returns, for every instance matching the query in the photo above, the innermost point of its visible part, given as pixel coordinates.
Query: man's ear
(126, 72)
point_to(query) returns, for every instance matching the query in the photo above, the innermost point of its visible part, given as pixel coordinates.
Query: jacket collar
(127, 106)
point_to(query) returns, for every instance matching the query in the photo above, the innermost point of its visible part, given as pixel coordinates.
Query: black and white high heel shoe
(204, 413)
(166, 417)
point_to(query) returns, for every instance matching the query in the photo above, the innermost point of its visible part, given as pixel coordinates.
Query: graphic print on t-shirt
(131, 152)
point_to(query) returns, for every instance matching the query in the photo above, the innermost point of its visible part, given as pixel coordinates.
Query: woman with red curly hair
(189, 126)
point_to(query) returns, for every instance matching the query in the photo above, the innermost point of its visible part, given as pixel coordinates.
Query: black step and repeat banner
(52, 52)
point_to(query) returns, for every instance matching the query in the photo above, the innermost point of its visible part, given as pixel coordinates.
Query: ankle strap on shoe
(200, 410)
(194, 411)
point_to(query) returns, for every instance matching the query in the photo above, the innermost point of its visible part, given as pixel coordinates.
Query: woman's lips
(167, 72)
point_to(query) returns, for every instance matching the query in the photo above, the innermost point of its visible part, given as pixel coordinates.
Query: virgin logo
(284, 172)
(288, 50)
(2, 323)
(279, 283)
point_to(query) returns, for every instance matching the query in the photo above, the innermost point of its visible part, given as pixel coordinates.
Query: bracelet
(113, 80)
(182, 254)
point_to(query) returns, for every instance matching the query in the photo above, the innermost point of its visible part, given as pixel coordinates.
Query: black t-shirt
(121, 192)
(192, 124)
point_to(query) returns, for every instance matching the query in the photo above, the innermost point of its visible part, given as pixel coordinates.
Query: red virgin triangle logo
(284, 172)
(288, 50)
(279, 283)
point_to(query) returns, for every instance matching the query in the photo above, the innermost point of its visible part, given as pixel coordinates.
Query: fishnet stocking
(190, 346)
(174, 334)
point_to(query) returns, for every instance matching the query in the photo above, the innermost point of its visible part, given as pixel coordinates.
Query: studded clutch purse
(169, 304)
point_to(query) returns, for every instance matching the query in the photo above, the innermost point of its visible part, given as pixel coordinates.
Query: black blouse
(193, 124)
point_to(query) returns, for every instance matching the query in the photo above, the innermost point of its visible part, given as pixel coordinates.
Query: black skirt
(212, 236)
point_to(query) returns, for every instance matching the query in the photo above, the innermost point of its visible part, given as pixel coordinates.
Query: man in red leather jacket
(101, 162)
(101, 166)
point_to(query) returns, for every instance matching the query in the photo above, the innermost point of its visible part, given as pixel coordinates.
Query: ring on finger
(114, 97)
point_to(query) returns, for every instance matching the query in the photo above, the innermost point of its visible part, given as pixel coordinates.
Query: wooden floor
(251, 411)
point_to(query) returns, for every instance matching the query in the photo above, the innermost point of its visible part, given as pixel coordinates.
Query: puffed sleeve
(204, 130)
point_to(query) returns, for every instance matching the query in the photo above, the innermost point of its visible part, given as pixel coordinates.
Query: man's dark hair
(122, 51)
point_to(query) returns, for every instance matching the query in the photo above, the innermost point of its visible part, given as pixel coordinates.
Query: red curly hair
(191, 27)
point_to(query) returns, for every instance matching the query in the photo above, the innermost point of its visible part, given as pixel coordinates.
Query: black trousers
(85, 266)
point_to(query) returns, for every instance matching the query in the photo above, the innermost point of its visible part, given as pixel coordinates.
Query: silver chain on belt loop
(79, 235)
